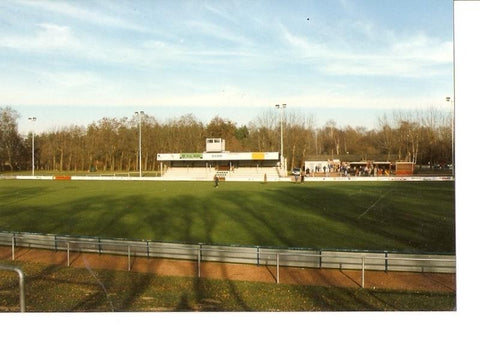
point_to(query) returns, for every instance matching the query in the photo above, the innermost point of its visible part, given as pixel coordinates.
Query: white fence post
(199, 260)
(13, 248)
(128, 257)
(278, 268)
(363, 271)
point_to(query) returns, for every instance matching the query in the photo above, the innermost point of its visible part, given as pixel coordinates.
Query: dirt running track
(242, 272)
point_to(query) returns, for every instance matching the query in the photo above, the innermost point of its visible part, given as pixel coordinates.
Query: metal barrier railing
(362, 261)
(230, 254)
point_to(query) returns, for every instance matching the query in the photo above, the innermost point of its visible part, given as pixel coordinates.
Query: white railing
(306, 258)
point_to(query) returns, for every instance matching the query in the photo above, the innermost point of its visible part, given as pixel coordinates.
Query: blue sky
(351, 61)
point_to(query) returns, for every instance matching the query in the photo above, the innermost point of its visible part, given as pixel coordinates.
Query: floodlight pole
(140, 114)
(452, 112)
(33, 119)
(282, 161)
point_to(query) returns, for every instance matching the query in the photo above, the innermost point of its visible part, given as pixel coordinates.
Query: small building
(215, 145)
(404, 168)
(216, 159)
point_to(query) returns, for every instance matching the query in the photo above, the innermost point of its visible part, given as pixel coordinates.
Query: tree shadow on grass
(283, 216)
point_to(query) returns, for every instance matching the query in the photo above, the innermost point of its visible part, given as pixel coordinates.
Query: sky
(75, 62)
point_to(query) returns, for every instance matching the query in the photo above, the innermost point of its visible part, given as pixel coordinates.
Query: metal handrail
(21, 281)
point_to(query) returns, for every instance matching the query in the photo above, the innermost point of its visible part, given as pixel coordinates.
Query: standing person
(216, 180)
(302, 176)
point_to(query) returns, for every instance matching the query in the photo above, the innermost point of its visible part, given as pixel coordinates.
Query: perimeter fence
(257, 255)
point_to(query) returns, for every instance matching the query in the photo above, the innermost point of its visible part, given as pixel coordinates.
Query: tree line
(112, 144)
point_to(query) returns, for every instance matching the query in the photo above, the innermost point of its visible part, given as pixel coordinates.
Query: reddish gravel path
(322, 277)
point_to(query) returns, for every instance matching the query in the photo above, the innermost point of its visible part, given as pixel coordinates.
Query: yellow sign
(258, 155)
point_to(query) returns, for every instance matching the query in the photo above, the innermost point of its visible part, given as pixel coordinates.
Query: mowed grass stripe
(406, 216)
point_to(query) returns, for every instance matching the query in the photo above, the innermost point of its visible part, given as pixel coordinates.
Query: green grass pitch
(404, 216)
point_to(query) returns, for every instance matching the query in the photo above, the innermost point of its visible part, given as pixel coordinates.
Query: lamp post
(282, 161)
(33, 119)
(140, 114)
(452, 112)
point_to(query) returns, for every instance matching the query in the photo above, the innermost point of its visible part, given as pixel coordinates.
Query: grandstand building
(224, 164)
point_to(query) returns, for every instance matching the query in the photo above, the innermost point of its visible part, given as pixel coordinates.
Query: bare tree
(11, 147)
(112, 144)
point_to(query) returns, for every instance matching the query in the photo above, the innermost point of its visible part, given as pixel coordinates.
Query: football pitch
(399, 216)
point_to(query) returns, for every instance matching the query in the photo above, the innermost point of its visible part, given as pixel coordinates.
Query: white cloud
(212, 30)
(74, 80)
(149, 54)
(79, 13)
(357, 100)
(415, 57)
(77, 89)
(47, 37)
(72, 87)
(223, 14)
(423, 48)
(51, 38)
